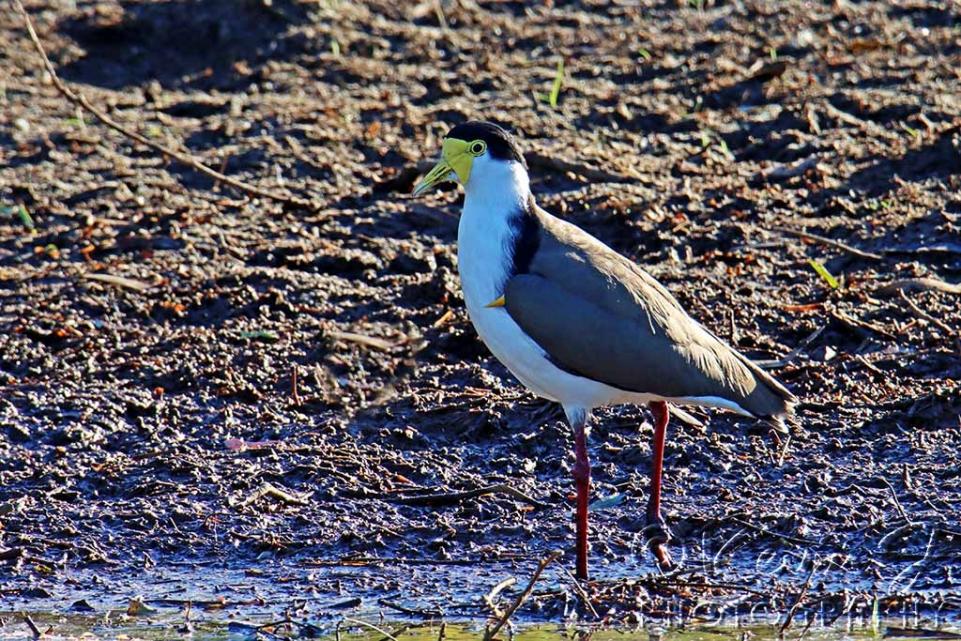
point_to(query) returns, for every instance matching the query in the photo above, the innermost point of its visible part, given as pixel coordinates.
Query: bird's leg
(656, 528)
(582, 479)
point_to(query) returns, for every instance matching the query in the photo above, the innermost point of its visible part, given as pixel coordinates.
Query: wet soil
(193, 378)
(75, 626)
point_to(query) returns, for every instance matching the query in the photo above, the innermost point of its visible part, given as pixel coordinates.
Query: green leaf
(558, 83)
(644, 53)
(824, 273)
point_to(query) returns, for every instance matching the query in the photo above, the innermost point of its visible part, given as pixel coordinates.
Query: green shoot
(824, 273)
(724, 148)
(644, 53)
(335, 47)
(911, 131)
(558, 83)
(26, 218)
(773, 53)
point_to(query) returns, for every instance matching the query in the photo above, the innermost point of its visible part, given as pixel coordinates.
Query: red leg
(659, 536)
(582, 477)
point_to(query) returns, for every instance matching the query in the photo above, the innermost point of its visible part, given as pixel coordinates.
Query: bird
(579, 324)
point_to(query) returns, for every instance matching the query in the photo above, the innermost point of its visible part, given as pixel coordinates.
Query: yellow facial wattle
(460, 160)
(457, 156)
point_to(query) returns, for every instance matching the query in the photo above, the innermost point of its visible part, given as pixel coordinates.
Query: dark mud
(265, 389)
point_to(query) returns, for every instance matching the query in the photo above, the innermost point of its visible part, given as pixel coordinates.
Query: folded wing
(600, 316)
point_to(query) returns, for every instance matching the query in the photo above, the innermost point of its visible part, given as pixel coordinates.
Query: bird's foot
(656, 530)
(658, 535)
(663, 556)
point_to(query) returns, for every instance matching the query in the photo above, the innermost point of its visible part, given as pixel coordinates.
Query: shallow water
(117, 625)
(408, 600)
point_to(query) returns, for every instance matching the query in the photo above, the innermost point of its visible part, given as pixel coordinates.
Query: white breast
(484, 242)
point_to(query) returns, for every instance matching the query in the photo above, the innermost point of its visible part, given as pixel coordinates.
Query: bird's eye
(477, 147)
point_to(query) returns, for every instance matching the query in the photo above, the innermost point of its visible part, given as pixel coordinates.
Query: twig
(119, 281)
(797, 602)
(897, 503)
(794, 353)
(81, 101)
(490, 596)
(363, 339)
(294, 391)
(728, 544)
(446, 316)
(451, 498)
(684, 417)
(912, 284)
(387, 635)
(863, 326)
(939, 248)
(581, 592)
(864, 125)
(490, 634)
(784, 537)
(920, 313)
(273, 491)
(830, 242)
(33, 626)
(883, 542)
(790, 170)
(811, 619)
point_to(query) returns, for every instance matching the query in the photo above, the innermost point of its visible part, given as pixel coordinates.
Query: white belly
(530, 364)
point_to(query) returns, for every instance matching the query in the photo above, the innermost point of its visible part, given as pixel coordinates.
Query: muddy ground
(266, 387)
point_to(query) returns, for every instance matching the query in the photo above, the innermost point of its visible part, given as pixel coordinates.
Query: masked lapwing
(578, 323)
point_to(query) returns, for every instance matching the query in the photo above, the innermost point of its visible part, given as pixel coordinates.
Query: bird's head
(477, 154)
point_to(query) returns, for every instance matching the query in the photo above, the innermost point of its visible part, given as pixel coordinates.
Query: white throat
(503, 187)
(496, 193)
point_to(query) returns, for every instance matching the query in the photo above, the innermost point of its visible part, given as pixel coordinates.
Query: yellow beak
(454, 159)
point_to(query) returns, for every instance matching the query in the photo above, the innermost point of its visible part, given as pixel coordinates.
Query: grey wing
(599, 315)
(630, 352)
